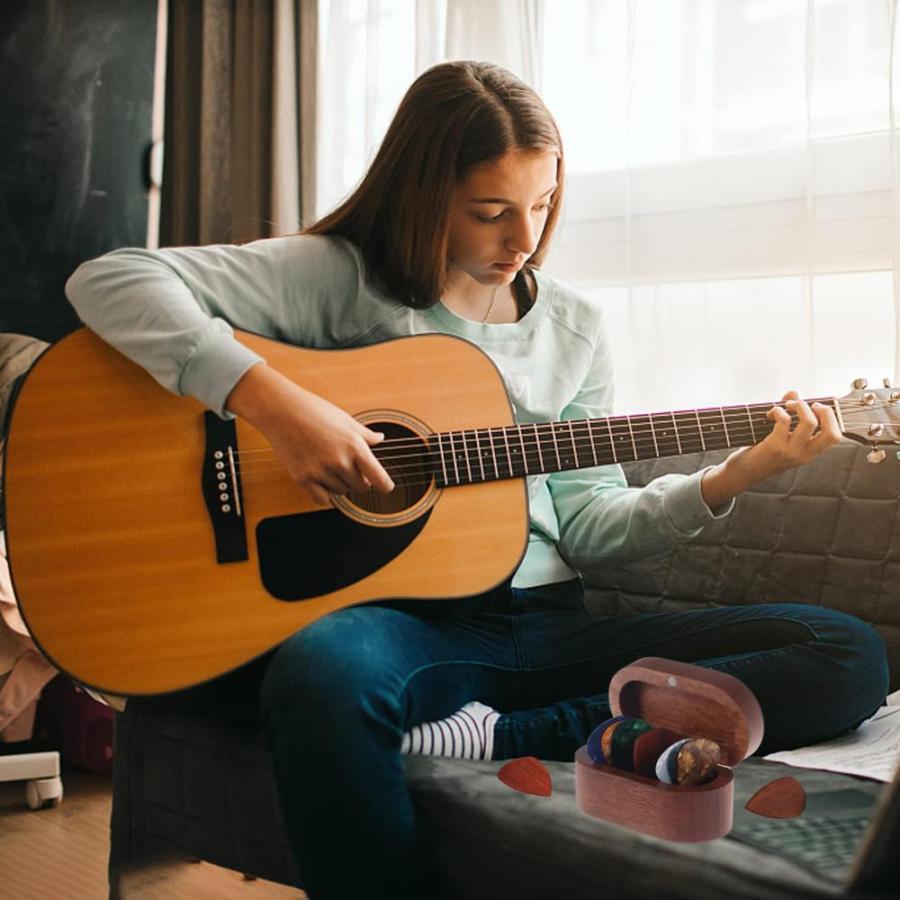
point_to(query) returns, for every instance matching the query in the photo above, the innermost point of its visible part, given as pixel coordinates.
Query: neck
(474, 304)
(489, 454)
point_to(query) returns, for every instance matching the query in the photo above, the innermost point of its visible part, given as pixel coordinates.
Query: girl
(446, 233)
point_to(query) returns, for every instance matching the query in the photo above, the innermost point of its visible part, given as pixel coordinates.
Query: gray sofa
(195, 780)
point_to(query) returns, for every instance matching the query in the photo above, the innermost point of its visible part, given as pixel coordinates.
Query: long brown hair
(455, 116)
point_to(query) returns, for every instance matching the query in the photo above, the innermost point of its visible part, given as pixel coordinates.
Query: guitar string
(582, 448)
(582, 432)
(627, 424)
(530, 457)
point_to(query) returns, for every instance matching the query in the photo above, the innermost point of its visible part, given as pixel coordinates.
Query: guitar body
(133, 580)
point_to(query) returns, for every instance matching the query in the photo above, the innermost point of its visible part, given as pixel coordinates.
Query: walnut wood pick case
(696, 702)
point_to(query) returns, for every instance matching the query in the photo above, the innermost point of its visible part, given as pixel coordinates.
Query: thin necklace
(490, 309)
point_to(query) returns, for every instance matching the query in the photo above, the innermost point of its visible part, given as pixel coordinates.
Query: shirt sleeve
(601, 519)
(173, 311)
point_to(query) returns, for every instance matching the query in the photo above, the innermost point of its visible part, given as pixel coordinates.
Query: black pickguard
(310, 554)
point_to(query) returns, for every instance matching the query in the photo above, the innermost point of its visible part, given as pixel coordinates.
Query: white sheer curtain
(371, 50)
(732, 200)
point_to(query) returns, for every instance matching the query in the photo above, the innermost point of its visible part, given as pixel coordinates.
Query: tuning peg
(859, 383)
(886, 382)
(875, 456)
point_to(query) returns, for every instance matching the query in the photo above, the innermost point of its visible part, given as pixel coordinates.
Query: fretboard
(489, 454)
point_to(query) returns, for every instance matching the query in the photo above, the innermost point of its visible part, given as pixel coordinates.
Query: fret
(612, 440)
(689, 432)
(590, 432)
(700, 429)
(478, 453)
(621, 437)
(642, 433)
(493, 453)
(559, 464)
(453, 457)
(524, 452)
(653, 435)
(440, 438)
(763, 425)
(576, 458)
(736, 427)
(715, 439)
(631, 433)
(664, 437)
(513, 452)
(509, 459)
(677, 435)
(537, 439)
(750, 420)
(725, 426)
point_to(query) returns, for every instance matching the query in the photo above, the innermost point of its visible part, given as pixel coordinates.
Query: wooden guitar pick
(526, 774)
(783, 798)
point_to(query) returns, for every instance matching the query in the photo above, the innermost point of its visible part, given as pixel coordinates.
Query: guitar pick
(697, 761)
(783, 798)
(526, 774)
(667, 764)
(650, 746)
(594, 741)
(622, 742)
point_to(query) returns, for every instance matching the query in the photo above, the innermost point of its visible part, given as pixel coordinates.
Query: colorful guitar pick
(594, 741)
(622, 742)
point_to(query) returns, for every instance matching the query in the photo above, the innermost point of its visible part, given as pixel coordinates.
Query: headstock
(871, 416)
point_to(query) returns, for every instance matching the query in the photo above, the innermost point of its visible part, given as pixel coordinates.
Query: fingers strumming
(375, 473)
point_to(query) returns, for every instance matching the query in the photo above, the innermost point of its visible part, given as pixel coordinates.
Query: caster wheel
(44, 793)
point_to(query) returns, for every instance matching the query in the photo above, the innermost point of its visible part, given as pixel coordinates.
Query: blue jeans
(337, 697)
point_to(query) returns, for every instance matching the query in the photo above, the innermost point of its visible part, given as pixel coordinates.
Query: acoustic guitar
(154, 546)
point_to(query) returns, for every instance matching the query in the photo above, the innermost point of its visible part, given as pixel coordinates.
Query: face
(497, 215)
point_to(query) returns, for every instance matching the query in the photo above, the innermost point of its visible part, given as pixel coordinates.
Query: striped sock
(467, 734)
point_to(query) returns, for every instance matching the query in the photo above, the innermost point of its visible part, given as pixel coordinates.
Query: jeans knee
(331, 671)
(859, 650)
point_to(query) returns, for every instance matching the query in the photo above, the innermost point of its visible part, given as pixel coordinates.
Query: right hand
(323, 448)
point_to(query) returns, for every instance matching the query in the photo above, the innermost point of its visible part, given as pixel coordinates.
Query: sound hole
(404, 455)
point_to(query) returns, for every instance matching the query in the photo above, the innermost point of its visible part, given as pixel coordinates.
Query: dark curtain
(232, 170)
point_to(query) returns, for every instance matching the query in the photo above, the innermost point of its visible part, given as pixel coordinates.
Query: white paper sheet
(872, 750)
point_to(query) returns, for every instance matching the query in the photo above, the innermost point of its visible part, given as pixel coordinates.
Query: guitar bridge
(222, 489)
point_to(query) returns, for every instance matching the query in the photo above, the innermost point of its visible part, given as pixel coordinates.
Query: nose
(523, 236)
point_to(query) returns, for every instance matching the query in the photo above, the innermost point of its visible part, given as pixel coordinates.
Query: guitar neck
(489, 454)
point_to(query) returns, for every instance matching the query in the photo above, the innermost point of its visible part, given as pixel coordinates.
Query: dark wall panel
(75, 128)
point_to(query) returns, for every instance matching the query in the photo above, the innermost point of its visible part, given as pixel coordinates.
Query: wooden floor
(62, 852)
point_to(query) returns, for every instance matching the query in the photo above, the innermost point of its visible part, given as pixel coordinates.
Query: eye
(490, 219)
(543, 207)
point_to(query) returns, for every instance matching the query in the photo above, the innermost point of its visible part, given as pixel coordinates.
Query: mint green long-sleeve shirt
(172, 312)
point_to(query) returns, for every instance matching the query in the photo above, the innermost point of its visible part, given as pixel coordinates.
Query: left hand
(783, 449)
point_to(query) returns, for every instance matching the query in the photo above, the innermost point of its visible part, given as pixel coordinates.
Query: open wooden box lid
(692, 700)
